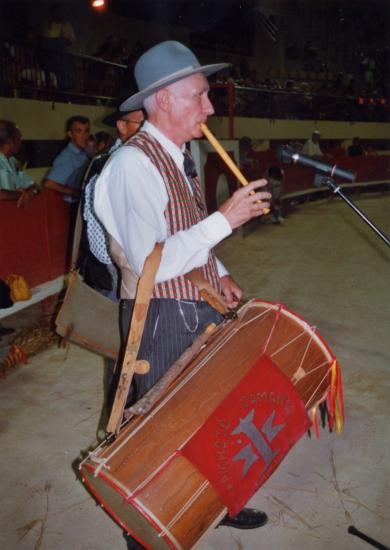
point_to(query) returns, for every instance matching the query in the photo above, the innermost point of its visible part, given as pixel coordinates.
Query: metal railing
(44, 73)
(285, 104)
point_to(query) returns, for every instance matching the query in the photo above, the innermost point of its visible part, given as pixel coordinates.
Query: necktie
(190, 172)
(189, 165)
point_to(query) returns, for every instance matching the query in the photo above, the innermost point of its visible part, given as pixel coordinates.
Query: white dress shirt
(311, 149)
(130, 200)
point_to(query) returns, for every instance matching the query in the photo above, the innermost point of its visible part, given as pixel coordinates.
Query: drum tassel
(335, 398)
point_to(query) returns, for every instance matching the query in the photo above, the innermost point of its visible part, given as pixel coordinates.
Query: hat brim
(136, 101)
(110, 120)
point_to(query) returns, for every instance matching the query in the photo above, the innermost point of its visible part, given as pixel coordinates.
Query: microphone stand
(336, 189)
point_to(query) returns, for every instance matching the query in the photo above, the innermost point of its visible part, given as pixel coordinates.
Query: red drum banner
(249, 434)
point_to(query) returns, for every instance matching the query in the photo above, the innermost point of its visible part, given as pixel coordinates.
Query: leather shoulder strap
(142, 300)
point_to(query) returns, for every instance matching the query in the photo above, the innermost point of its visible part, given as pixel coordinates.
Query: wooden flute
(226, 158)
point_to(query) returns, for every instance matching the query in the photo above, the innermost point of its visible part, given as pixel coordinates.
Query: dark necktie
(189, 166)
(190, 172)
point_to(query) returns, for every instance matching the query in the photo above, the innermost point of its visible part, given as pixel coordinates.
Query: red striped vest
(182, 212)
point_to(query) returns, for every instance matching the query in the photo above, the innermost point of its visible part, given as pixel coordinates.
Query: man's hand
(230, 290)
(63, 189)
(242, 206)
(25, 198)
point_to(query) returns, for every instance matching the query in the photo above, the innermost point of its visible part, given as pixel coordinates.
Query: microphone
(287, 155)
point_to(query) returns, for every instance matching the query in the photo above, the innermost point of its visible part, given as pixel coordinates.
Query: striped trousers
(170, 328)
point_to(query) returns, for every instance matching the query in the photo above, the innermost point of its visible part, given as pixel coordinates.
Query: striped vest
(182, 211)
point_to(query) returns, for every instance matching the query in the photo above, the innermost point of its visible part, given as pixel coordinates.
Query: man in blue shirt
(65, 176)
(15, 184)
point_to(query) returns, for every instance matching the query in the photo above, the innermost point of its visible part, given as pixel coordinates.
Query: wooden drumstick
(227, 159)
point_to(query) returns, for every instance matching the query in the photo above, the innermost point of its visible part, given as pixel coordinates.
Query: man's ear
(164, 99)
(120, 125)
(69, 135)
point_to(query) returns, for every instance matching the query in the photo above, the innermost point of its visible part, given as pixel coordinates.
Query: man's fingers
(256, 184)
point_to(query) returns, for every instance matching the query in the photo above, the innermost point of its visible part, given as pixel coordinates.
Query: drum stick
(227, 159)
(353, 531)
(146, 402)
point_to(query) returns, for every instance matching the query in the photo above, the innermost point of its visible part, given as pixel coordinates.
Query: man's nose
(208, 106)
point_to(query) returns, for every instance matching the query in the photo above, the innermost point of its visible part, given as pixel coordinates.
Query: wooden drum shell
(141, 478)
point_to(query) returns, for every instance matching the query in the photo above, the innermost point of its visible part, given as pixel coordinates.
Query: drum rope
(173, 392)
(271, 332)
(184, 508)
(102, 463)
(155, 472)
(317, 387)
(282, 348)
(311, 331)
(242, 323)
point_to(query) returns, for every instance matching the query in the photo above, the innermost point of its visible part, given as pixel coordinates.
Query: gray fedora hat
(164, 64)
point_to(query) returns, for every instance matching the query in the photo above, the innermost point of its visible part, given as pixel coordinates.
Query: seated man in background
(15, 185)
(66, 173)
(311, 147)
(356, 149)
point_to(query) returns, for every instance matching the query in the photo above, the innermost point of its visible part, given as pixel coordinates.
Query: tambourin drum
(143, 480)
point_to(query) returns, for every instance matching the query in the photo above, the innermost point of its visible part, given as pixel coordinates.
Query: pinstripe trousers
(170, 328)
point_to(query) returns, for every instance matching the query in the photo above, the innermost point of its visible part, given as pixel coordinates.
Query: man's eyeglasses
(139, 122)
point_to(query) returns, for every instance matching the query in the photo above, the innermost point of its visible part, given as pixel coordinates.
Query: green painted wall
(46, 120)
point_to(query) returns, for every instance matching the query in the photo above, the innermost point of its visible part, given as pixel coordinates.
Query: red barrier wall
(34, 240)
(297, 178)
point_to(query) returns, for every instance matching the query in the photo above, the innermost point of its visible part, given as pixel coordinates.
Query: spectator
(58, 33)
(15, 184)
(97, 266)
(58, 36)
(371, 152)
(105, 49)
(91, 147)
(356, 149)
(103, 142)
(311, 147)
(96, 263)
(65, 176)
(275, 178)
(249, 162)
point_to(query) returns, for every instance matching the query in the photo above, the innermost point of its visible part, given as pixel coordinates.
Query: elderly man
(66, 173)
(15, 184)
(145, 195)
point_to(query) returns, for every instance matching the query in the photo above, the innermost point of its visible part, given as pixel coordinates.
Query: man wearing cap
(311, 147)
(97, 266)
(144, 195)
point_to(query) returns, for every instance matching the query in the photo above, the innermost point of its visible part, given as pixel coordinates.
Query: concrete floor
(324, 264)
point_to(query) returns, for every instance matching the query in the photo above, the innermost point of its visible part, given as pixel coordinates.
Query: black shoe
(4, 331)
(248, 518)
(132, 544)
